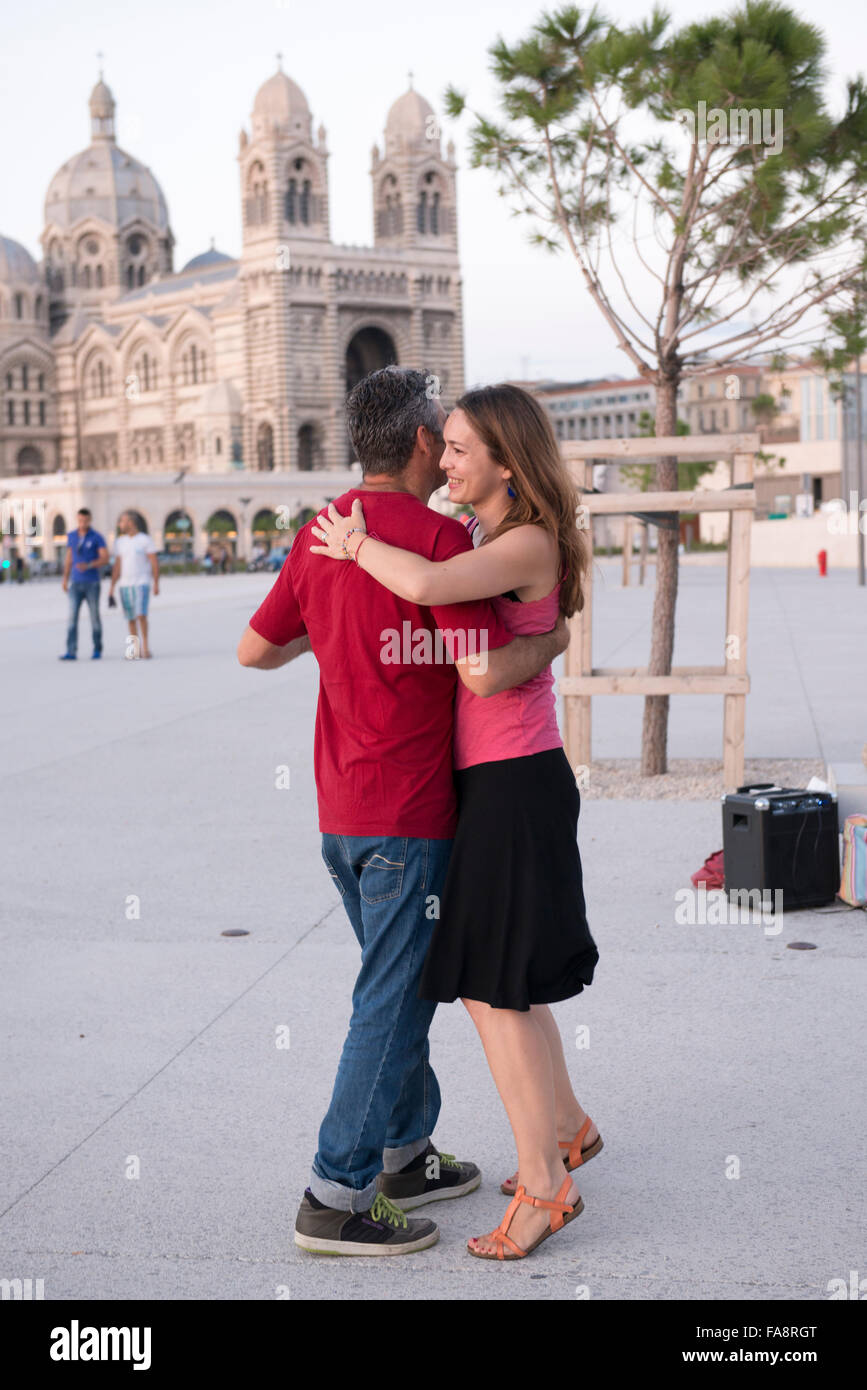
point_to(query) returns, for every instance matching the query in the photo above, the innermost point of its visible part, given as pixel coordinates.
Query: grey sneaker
(432, 1177)
(383, 1230)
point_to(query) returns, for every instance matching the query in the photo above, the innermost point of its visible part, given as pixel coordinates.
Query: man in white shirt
(135, 565)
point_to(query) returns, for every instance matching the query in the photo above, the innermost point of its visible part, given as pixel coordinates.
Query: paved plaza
(158, 1139)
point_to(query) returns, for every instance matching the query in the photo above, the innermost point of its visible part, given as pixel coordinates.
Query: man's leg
(76, 598)
(95, 621)
(385, 883)
(417, 1108)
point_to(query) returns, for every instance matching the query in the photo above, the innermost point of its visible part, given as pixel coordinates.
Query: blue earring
(511, 492)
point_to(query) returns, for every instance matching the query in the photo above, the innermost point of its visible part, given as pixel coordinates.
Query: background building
(113, 363)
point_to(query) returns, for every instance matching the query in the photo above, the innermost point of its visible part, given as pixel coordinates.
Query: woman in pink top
(512, 936)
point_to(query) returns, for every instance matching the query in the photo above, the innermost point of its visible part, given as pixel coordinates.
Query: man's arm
(67, 567)
(254, 650)
(155, 569)
(491, 672)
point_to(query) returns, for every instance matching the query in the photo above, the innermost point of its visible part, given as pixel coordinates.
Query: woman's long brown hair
(518, 436)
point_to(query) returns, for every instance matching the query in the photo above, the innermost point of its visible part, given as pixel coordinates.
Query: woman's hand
(333, 530)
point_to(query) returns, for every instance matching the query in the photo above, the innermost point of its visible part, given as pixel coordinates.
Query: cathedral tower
(284, 193)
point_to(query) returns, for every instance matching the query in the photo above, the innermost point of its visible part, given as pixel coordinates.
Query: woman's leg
(568, 1114)
(519, 1056)
(569, 1117)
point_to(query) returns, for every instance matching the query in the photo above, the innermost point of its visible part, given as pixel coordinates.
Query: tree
(642, 474)
(752, 211)
(764, 408)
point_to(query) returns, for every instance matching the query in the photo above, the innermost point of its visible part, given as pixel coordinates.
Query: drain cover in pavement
(800, 946)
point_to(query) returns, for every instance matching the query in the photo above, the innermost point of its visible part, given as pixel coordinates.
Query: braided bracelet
(346, 538)
(358, 547)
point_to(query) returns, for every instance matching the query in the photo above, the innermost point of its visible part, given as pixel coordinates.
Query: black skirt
(513, 929)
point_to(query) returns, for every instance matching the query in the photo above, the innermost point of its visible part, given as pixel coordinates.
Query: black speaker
(782, 838)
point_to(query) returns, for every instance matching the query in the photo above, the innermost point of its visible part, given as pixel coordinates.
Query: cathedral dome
(206, 259)
(281, 102)
(104, 181)
(409, 116)
(17, 266)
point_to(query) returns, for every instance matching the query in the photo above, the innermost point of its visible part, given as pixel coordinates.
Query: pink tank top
(519, 721)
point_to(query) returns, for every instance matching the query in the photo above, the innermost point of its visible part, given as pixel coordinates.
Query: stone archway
(29, 460)
(178, 533)
(368, 350)
(59, 532)
(221, 530)
(310, 452)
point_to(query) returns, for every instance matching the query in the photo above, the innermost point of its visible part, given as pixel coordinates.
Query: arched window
(257, 196)
(291, 201)
(19, 306)
(130, 277)
(428, 209)
(218, 445)
(40, 382)
(141, 274)
(24, 377)
(99, 279)
(305, 202)
(27, 412)
(86, 277)
(42, 412)
(38, 309)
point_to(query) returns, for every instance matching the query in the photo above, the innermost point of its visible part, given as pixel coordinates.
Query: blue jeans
(386, 1099)
(79, 594)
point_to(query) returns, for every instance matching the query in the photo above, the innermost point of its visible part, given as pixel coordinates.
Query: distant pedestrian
(137, 567)
(86, 553)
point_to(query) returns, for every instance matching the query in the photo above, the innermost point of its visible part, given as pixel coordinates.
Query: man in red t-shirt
(383, 766)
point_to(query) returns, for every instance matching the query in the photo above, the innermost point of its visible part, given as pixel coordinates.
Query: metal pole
(862, 515)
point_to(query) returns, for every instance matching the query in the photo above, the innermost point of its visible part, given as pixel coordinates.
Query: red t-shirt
(383, 747)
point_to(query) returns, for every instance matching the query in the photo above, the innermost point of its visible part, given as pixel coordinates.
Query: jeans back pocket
(382, 872)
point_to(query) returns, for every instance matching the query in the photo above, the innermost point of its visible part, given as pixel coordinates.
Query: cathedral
(111, 361)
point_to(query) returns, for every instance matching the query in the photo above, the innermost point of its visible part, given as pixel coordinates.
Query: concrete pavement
(142, 820)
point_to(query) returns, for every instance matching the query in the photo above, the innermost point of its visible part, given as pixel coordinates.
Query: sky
(184, 76)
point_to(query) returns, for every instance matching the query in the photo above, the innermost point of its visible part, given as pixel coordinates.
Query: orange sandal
(561, 1214)
(573, 1159)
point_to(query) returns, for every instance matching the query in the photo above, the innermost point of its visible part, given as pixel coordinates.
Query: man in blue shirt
(86, 553)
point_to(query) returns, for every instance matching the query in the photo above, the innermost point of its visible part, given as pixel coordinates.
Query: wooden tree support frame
(582, 680)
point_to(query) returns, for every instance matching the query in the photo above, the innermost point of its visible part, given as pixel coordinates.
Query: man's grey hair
(383, 413)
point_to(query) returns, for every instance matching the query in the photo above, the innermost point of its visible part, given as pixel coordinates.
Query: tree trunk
(654, 734)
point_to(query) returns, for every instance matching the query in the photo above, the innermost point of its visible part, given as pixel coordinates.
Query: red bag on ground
(711, 872)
